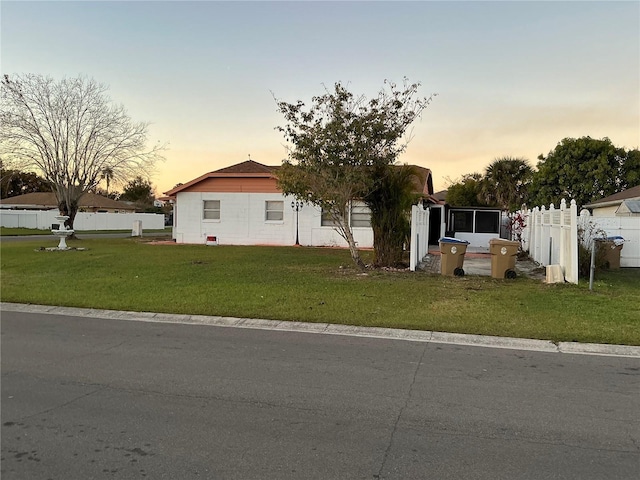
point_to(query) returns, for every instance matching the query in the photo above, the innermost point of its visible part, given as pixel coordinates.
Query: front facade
(242, 205)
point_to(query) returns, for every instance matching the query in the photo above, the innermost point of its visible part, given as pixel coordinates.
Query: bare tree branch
(71, 132)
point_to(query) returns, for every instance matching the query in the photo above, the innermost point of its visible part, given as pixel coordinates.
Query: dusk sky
(512, 78)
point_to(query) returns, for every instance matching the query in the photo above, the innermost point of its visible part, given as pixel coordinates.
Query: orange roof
(252, 169)
(248, 168)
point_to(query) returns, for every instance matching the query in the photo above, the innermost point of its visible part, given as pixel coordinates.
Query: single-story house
(89, 202)
(625, 203)
(242, 205)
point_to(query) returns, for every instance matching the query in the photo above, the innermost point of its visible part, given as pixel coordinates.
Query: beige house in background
(625, 203)
(89, 202)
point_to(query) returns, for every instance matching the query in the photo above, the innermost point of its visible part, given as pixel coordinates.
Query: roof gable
(628, 207)
(246, 169)
(423, 182)
(632, 193)
(248, 166)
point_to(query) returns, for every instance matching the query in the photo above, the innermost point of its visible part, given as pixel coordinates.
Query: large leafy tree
(15, 182)
(630, 169)
(506, 183)
(140, 192)
(71, 132)
(584, 169)
(467, 192)
(341, 144)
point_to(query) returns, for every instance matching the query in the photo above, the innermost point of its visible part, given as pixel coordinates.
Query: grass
(14, 232)
(315, 285)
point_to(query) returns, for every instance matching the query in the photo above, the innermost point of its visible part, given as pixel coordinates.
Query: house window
(326, 220)
(211, 210)
(274, 210)
(360, 215)
(462, 221)
(487, 222)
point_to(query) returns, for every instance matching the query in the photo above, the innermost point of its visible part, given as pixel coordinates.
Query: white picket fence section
(44, 219)
(419, 236)
(627, 227)
(551, 237)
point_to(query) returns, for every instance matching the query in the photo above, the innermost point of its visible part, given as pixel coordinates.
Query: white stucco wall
(477, 240)
(242, 222)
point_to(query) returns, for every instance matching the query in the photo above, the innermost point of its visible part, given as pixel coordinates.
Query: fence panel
(419, 246)
(43, 219)
(550, 236)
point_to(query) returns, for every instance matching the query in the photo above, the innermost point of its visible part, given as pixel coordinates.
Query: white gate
(419, 236)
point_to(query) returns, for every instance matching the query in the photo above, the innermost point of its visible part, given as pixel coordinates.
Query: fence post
(414, 246)
(562, 258)
(573, 275)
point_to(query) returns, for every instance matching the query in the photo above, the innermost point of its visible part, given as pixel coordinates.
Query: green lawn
(315, 285)
(14, 232)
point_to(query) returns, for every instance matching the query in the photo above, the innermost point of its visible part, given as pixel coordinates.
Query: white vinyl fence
(419, 236)
(551, 237)
(627, 227)
(44, 219)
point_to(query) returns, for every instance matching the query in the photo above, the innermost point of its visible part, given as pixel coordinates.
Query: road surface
(86, 398)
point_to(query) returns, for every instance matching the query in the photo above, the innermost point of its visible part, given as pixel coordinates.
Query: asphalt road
(86, 398)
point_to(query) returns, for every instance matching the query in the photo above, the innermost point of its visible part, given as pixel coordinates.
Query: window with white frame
(360, 215)
(211, 210)
(274, 210)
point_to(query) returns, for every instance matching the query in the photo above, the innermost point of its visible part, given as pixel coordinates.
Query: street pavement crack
(401, 412)
(62, 405)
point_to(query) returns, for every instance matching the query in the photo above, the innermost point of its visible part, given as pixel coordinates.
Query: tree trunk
(69, 208)
(388, 247)
(353, 248)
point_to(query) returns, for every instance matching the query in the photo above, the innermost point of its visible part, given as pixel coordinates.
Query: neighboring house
(625, 203)
(89, 202)
(619, 215)
(242, 205)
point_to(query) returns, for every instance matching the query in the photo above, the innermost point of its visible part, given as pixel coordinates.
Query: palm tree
(107, 175)
(506, 182)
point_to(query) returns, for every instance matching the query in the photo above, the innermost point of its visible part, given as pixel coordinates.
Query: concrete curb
(334, 329)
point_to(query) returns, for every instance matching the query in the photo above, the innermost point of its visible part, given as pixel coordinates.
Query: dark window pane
(462, 221)
(487, 222)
